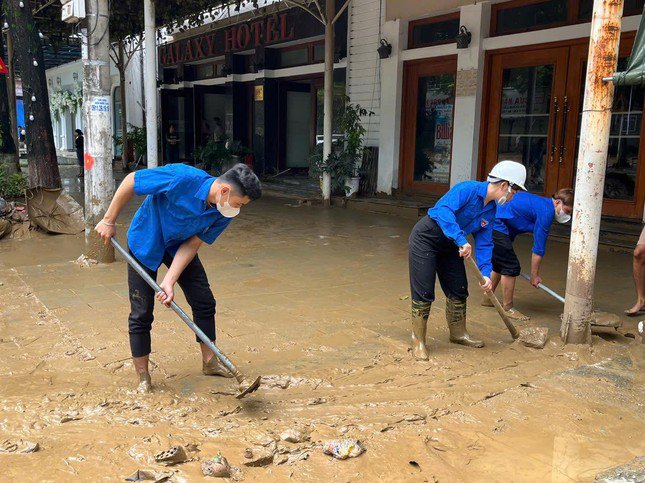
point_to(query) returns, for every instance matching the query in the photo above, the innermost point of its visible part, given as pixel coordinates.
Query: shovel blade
(247, 387)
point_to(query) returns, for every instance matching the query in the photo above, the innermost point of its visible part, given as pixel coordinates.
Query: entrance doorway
(427, 125)
(298, 129)
(534, 114)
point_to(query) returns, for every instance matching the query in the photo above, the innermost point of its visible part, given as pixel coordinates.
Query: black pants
(79, 157)
(505, 261)
(431, 253)
(193, 282)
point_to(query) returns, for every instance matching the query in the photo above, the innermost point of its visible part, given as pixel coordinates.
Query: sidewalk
(316, 298)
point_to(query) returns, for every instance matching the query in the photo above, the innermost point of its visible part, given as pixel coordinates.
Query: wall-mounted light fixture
(385, 50)
(463, 38)
(49, 82)
(57, 81)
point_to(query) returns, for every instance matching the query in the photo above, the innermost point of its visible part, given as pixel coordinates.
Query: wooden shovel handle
(493, 298)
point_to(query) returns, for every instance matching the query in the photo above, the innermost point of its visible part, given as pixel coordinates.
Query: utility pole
(328, 110)
(590, 177)
(97, 107)
(11, 92)
(150, 49)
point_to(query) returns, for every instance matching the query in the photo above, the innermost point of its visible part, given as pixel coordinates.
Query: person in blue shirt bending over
(528, 213)
(438, 245)
(184, 207)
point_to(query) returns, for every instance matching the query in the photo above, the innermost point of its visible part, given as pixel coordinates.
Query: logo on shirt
(484, 223)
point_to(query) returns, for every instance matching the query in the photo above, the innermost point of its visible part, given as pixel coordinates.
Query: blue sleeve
(484, 249)
(154, 181)
(444, 213)
(210, 234)
(541, 232)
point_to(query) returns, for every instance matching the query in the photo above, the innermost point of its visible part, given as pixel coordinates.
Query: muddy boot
(215, 368)
(145, 383)
(516, 315)
(456, 318)
(420, 313)
(486, 302)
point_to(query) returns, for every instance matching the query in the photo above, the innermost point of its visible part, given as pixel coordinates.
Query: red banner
(3, 67)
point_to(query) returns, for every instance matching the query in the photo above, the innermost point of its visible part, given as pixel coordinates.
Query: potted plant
(344, 162)
(213, 156)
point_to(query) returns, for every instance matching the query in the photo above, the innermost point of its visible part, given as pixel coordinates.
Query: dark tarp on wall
(634, 75)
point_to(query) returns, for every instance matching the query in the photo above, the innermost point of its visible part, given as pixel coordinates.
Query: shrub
(12, 185)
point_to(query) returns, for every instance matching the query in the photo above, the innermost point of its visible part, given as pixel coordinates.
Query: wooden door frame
(412, 70)
(617, 208)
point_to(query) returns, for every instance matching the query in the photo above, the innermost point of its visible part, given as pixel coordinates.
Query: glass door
(428, 118)
(525, 114)
(624, 191)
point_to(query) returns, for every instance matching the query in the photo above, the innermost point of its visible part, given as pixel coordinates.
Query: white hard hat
(511, 171)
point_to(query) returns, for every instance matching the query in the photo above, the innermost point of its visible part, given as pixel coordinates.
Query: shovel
(493, 298)
(247, 385)
(552, 293)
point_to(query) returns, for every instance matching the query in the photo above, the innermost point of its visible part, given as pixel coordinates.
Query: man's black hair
(244, 180)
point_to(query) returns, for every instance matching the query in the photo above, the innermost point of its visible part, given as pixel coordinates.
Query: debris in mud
(172, 456)
(228, 412)
(150, 475)
(259, 457)
(217, 467)
(534, 337)
(19, 447)
(294, 436)
(283, 382)
(343, 448)
(634, 471)
(85, 262)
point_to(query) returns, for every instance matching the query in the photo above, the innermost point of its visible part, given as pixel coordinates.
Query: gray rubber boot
(420, 313)
(456, 318)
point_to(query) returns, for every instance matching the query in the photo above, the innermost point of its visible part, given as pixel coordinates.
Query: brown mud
(314, 300)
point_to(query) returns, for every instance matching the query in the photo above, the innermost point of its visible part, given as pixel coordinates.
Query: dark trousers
(432, 254)
(79, 157)
(193, 282)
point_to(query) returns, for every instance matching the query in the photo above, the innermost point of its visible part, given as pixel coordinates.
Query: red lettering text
(257, 29)
(273, 34)
(284, 34)
(243, 36)
(230, 39)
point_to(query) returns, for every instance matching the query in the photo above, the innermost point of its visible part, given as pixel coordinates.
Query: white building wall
(363, 64)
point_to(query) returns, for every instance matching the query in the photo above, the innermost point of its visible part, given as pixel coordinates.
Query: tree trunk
(41, 151)
(7, 144)
(125, 146)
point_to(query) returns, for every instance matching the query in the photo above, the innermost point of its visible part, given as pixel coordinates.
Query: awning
(634, 75)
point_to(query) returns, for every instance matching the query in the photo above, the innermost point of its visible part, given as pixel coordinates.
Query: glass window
(531, 17)
(294, 57)
(203, 71)
(434, 33)
(624, 138)
(433, 143)
(631, 7)
(524, 122)
(319, 53)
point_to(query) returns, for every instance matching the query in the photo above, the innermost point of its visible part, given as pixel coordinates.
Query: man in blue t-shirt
(184, 207)
(527, 213)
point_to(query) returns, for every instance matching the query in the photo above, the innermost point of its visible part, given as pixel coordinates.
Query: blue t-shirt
(525, 213)
(461, 211)
(174, 211)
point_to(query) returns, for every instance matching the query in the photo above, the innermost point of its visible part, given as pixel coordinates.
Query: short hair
(244, 180)
(565, 195)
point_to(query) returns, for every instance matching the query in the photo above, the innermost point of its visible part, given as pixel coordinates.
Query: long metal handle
(556, 109)
(555, 295)
(565, 115)
(494, 300)
(183, 315)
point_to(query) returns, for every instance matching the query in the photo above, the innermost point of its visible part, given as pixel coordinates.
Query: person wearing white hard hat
(438, 245)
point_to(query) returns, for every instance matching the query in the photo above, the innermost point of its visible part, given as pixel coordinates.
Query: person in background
(639, 278)
(172, 145)
(79, 142)
(528, 213)
(438, 246)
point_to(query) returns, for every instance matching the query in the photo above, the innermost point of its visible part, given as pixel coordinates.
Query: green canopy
(634, 75)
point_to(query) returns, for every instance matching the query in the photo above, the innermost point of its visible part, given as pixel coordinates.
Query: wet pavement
(315, 301)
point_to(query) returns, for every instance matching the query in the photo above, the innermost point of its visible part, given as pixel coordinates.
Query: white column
(391, 101)
(469, 94)
(150, 48)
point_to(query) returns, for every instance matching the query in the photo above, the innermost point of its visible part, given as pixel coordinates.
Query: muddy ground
(316, 301)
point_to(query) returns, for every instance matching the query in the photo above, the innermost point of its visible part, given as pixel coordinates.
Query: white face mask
(504, 198)
(561, 216)
(226, 209)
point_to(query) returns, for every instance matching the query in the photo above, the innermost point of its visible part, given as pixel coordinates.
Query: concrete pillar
(469, 94)
(391, 100)
(150, 81)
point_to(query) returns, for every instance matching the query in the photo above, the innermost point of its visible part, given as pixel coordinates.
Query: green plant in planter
(213, 155)
(12, 185)
(345, 159)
